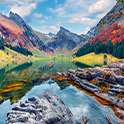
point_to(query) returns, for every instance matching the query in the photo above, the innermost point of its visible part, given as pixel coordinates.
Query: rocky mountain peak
(70, 35)
(15, 16)
(63, 29)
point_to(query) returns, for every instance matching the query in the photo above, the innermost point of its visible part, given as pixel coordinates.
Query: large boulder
(112, 72)
(38, 111)
(119, 65)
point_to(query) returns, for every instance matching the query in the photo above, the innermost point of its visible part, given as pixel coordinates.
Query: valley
(84, 71)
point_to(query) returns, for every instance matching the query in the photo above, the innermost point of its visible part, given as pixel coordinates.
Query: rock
(116, 71)
(84, 75)
(38, 111)
(120, 79)
(121, 123)
(118, 87)
(119, 65)
(87, 86)
(111, 99)
(116, 90)
(112, 78)
(64, 74)
(120, 113)
(71, 71)
(59, 73)
(112, 73)
(109, 120)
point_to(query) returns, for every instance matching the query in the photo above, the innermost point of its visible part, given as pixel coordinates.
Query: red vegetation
(115, 34)
(13, 32)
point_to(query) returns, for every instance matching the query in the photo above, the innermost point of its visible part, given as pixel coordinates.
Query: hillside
(16, 32)
(93, 59)
(111, 38)
(115, 15)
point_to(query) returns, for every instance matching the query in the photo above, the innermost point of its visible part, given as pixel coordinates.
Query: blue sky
(48, 15)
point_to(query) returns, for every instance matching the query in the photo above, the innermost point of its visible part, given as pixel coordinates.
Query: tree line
(116, 50)
(15, 48)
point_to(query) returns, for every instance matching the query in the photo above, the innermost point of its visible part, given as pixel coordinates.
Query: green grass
(9, 54)
(39, 54)
(92, 59)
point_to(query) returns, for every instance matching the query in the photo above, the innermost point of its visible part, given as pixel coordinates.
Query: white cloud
(47, 29)
(84, 31)
(22, 7)
(23, 10)
(59, 24)
(46, 17)
(74, 20)
(59, 10)
(83, 20)
(56, 1)
(20, 2)
(66, 5)
(100, 6)
(99, 16)
(74, 4)
(38, 15)
(79, 110)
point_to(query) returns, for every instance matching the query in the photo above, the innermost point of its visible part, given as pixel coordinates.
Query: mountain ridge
(18, 33)
(66, 39)
(109, 35)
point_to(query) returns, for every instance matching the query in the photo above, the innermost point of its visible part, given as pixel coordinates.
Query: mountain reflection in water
(18, 82)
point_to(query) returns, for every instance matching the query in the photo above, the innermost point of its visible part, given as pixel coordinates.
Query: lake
(21, 80)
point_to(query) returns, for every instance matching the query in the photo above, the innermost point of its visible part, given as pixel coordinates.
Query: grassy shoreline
(92, 59)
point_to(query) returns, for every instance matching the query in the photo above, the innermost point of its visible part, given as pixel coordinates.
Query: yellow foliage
(15, 85)
(12, 88)
(92, 59)
(1, 98)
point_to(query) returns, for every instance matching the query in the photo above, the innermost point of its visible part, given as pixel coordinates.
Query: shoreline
(81, 78)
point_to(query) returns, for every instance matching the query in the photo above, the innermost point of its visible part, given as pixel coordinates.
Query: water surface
(20, 81)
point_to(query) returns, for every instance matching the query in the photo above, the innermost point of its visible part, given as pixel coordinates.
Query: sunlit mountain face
(18, 33)
(109, 35)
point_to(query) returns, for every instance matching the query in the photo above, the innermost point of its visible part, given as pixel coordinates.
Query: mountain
(115, 15)
(66, 39)
(109, 35)
(16, 32)
(41, 36)
(50, 35)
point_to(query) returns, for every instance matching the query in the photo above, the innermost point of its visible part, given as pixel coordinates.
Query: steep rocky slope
(109, 35)
(18, 33)
(67, 39)
(115, 15)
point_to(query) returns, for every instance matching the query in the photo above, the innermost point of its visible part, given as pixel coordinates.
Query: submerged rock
(38, 111)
